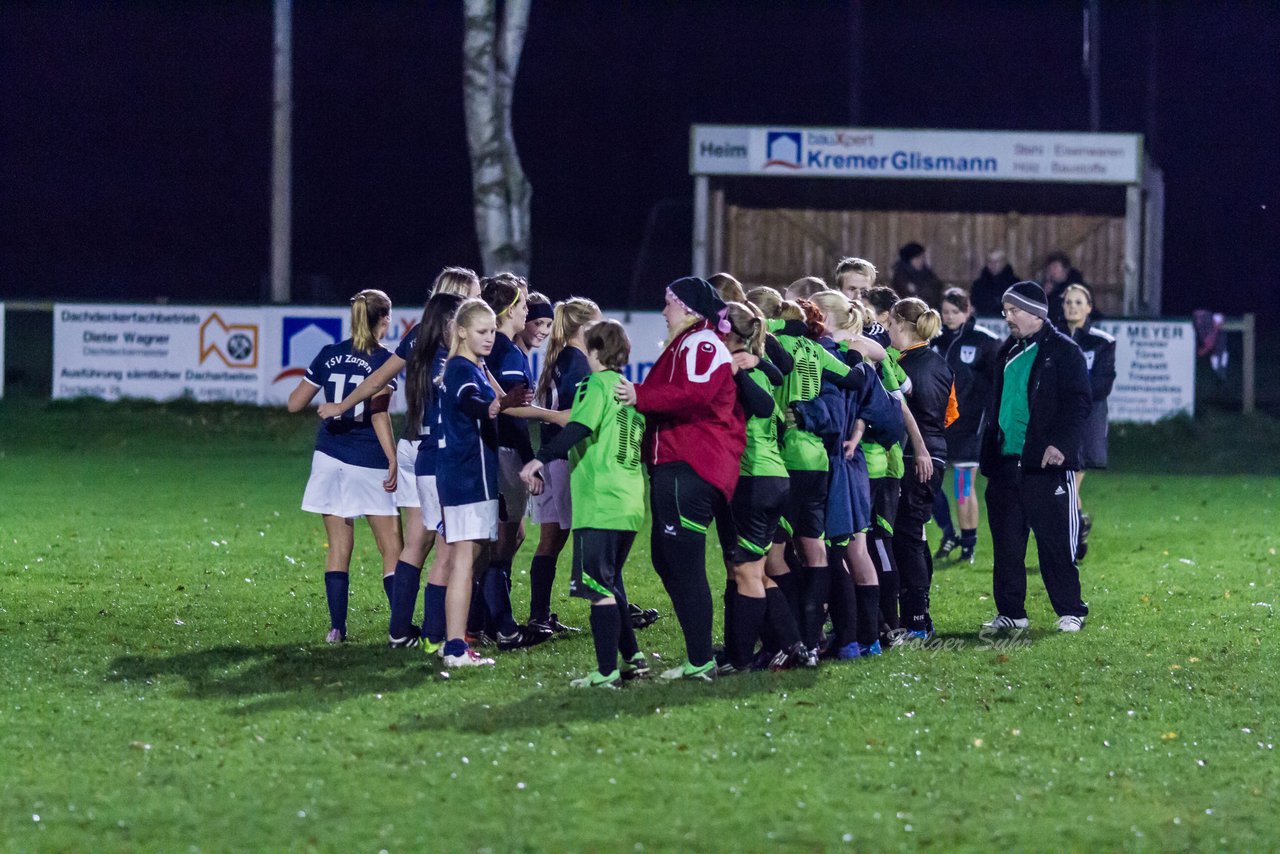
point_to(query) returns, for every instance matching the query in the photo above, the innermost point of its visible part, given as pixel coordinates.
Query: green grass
(165, 686)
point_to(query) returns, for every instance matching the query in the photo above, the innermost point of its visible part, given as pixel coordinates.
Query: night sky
(135, 137)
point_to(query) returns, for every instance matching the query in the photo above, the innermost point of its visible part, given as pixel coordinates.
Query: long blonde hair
(468, 314)
(455, 280)
(729, 288)
(840, 310)
(368, 309)
(570, 315)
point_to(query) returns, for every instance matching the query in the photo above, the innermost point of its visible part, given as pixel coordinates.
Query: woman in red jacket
(695, 433)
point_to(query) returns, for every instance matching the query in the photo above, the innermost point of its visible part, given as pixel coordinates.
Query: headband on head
(512, 305)
(540, 311)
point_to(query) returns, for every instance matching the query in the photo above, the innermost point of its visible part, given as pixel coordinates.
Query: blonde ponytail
(747, 324)
(916, 312)
(368, 309)
(570, 315)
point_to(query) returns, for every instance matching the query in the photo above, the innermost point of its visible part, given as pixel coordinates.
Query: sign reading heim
(1093, 158)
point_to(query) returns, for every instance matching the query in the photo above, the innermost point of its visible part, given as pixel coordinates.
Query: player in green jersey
(606, 482)
(754, 605)
(804, 456)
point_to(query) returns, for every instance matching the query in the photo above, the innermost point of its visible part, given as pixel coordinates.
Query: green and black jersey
(606, 480)
(763, 456)
(887, 461)
(802, 450)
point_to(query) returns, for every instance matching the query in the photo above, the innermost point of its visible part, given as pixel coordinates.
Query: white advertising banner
(1088, 158)
(157, 351)
(257, 355)
(293, 335)
(1155, 367)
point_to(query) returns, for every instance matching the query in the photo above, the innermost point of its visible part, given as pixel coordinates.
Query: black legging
(911, 549)
(683, 506)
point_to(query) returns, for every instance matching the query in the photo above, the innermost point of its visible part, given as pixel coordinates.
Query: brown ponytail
(768, 300)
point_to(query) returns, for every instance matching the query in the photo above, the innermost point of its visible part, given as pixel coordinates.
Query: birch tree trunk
(501, 193)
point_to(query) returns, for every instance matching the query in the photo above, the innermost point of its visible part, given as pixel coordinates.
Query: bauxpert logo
(236, 344)
(302, 338)
(782, 148)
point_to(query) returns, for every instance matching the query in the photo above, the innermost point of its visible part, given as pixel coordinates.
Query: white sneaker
(469, 658)
(1070, 624)
(334, 636)
(1000, 621)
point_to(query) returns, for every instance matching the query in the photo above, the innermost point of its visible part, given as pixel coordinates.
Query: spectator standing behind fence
(1058, 274)
(913, 277)
(997, 276)
(1100, 357)
(1030, 454)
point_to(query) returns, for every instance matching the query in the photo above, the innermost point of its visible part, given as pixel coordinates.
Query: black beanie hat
(910, 251)
(700, 297)
(1029, 297)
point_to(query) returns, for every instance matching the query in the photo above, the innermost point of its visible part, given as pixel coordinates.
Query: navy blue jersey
(467, 454)
(510, 367)
(338, 369)
(404, 350)
(570, 368)
(432, 431)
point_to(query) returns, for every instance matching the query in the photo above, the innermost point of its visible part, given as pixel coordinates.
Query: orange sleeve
(953, 411)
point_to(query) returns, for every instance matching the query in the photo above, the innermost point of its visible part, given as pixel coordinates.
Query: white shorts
(553, 507)
(515, 495)
(478, 521)
(429, 501)
(406, 488)
(336, 488)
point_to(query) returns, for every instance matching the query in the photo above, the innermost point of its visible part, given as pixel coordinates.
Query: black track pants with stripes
(1019, 502)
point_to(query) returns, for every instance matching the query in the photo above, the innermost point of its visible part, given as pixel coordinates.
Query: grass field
(165, 685)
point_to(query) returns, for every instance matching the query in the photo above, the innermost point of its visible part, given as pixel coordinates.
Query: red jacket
(691, 407)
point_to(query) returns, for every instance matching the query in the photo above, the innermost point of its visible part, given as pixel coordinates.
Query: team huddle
(810, 426)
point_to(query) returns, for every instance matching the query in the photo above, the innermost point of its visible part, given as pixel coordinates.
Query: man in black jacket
(1031, 450)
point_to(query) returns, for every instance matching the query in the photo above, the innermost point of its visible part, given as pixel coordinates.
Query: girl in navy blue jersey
(354, 467)
(508, 364)
(566, 366)
(451, 286)
(467, 467)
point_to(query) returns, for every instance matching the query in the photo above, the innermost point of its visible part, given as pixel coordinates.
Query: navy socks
(336, 586)
(433, 625)
(404, 598)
